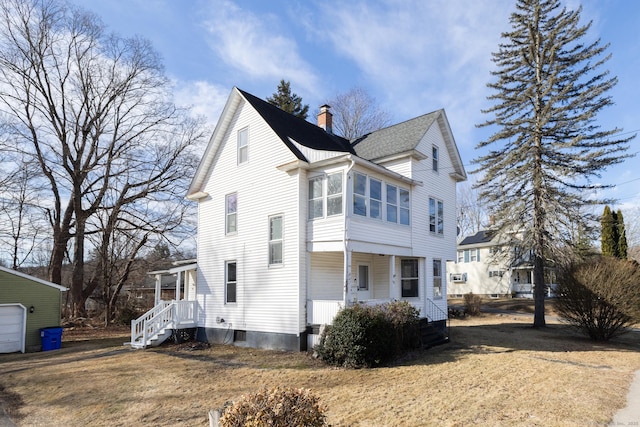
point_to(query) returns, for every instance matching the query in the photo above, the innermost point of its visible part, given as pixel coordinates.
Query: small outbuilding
(27, 304)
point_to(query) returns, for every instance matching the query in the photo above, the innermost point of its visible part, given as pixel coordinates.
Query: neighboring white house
(488, 266)
(295, 222)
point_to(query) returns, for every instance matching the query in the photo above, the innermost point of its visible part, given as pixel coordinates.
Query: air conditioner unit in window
(459, 277)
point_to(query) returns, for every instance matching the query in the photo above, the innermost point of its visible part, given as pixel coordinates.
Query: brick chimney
(325, 118)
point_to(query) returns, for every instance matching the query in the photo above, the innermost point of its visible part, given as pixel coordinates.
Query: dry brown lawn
(496, 371)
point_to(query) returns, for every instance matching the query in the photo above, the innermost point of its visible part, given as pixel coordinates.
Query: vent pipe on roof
(325, 118)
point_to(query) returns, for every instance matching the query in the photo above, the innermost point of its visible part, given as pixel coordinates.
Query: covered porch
(340, 279)
(159, 323)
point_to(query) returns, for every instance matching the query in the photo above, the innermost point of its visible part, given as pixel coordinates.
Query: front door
(363, 282)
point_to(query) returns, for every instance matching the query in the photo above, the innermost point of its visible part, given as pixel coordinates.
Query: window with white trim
(325, 195)
(316, 199)
(404, 206)
(230, 279)
(392, 203)
(275, 240)
(360, 194)
(375, 198)
(409, 277)
(437, 278)
(243, 145)
(436, 216)
(334, 194)
(231, 210)
(435, 157)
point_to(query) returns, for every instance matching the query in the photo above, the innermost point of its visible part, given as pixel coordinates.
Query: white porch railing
(165, 315)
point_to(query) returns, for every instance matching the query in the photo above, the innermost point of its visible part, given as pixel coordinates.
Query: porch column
(158, 292)
(178, 284)
(394, 286)
(347, 297)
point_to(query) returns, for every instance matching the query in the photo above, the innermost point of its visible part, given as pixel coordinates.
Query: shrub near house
(366, 336)
(600, 297)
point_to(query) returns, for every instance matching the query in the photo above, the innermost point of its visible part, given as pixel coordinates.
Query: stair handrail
(139, 325)
(433, 309)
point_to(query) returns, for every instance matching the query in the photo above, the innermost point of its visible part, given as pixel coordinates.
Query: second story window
(334, 194)
(375, 199)
(231, 219)
(325, 195)
(435, 156)
(360, 194)
(316, 203)
(436, 216)
(243, 145)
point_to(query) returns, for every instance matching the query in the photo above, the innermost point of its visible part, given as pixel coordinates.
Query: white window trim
(384, 204)
(435, 154)
(402, 278)
(438, 219)
(227, 282)
(227, 214)
(324, 179)
(244, 147)
(272, 241)
(438, 262)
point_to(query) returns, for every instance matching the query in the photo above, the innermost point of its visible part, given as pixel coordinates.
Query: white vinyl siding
(268, 299)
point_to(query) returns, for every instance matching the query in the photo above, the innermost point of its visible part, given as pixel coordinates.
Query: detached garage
(26, 305)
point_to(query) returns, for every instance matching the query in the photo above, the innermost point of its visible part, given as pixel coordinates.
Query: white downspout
(345, 239)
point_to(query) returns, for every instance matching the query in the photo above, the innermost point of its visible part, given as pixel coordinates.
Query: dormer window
(243, 145)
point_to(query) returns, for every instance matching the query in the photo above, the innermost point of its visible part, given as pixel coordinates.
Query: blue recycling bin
(51, 338)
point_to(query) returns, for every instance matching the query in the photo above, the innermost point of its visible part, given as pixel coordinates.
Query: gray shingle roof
(394, 139)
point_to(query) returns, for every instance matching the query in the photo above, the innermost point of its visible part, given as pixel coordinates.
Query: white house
(295, 222)
(489, 265)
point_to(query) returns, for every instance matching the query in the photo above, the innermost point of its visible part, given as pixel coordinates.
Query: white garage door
(12, 328)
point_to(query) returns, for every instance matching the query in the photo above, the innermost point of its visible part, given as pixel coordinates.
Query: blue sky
(413, 56)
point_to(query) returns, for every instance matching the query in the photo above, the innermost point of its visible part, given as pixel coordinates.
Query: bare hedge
(600, 296)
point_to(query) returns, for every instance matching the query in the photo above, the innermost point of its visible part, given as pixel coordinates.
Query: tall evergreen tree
(549, 86)
(289, 102)
(609, 239)
(622, 236)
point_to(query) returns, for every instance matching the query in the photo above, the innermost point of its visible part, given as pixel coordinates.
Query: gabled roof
(289, 127)
(297, 134)
(395, 139)
(34, 279)
(482, 236)
(404, 138)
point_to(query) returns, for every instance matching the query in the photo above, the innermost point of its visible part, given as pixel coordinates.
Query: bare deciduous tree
(94, 111)
(355, 113)
(472, 215)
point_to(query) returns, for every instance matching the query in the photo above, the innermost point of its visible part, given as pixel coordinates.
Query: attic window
(243, 145)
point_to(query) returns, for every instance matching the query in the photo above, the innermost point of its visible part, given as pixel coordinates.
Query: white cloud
(252, 45)
(204, 98)
(421, 56)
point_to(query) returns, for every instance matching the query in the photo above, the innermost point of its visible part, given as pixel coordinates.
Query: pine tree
(622, 236)
(549, 86)
(609, 239)
(287, 101)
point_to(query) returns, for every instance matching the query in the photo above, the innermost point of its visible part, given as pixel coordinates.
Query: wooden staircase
(158, 324)
(433, 334)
